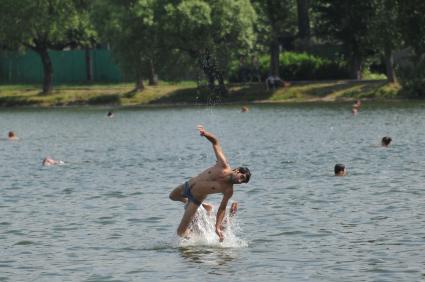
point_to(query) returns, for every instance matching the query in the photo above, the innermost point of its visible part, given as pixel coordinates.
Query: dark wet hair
(338, 168)
(245, 171)
(386, 140)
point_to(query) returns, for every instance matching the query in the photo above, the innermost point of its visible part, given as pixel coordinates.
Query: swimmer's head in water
(339, 170)
(11, 134)
(386, 141)
(241, 175)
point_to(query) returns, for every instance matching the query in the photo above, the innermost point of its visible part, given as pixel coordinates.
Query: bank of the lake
(189, 93)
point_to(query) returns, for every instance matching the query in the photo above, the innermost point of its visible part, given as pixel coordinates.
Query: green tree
(385, 33)
(210, 31)
(303, 19)
(412, 26)
(347, 22)
(277, 22)
(131, 28)
(42, 25)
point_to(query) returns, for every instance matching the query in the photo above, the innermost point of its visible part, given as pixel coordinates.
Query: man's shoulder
(221, 167)
(228, 190)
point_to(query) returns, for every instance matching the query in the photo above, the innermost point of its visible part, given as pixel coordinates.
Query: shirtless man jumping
(216, 179)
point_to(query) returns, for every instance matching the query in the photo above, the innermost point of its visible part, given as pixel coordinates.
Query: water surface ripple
(105, 214)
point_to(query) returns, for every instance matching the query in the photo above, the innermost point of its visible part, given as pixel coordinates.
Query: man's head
(386, 140)
(241, 175)
(340, 170)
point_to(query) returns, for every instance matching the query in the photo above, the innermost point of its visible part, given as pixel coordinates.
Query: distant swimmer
(340, 170)
(386, 140)
(356, 107)
(219, 178)
(12, 136)
(49, 161)
(357, 104)
(244, 109)
(110, 114)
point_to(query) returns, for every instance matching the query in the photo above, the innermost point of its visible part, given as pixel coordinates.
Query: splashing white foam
(203, 232)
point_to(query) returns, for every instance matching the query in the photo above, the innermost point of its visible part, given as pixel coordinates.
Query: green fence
(68, 67)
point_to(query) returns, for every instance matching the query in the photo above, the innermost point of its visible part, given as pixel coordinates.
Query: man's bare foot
(208, 208)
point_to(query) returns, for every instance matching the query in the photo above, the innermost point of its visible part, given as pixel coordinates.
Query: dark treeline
(236, 40)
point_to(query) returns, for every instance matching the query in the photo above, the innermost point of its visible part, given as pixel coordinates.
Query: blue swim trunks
(188, 194)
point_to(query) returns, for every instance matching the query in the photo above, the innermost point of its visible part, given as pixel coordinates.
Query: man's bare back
(219, 178)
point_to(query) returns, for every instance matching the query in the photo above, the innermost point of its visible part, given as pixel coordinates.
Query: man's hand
(201, 130)
(219, 233)
(221, 159)
(233, 208)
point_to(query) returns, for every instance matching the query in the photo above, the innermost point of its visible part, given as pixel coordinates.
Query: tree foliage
(152, 36)
(276, 26)
(194, 25)
(347, 22)
(210, 31)
(385, 34)
(412, 26)
(41, 25)
(145, 34)
(130, 27)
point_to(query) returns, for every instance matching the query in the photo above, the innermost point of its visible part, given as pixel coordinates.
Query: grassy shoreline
(188, 93)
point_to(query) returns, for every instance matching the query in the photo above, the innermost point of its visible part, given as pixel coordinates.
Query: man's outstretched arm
(221, 213)
(221, 159)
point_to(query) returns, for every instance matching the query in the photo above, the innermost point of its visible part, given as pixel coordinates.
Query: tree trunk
(153, 77)
(389, 64)
(140, 86)
(47, 68)
(356, 68)
(303, 19)
(89, 65)
(274, 58)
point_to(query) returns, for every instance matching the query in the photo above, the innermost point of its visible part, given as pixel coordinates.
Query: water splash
(213, 74)
(203, 232)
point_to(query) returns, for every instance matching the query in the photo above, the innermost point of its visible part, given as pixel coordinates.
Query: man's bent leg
(188, 215)
(207, 207)
(176, 194)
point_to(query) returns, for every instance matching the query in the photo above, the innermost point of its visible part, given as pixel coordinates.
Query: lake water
(105, 215)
